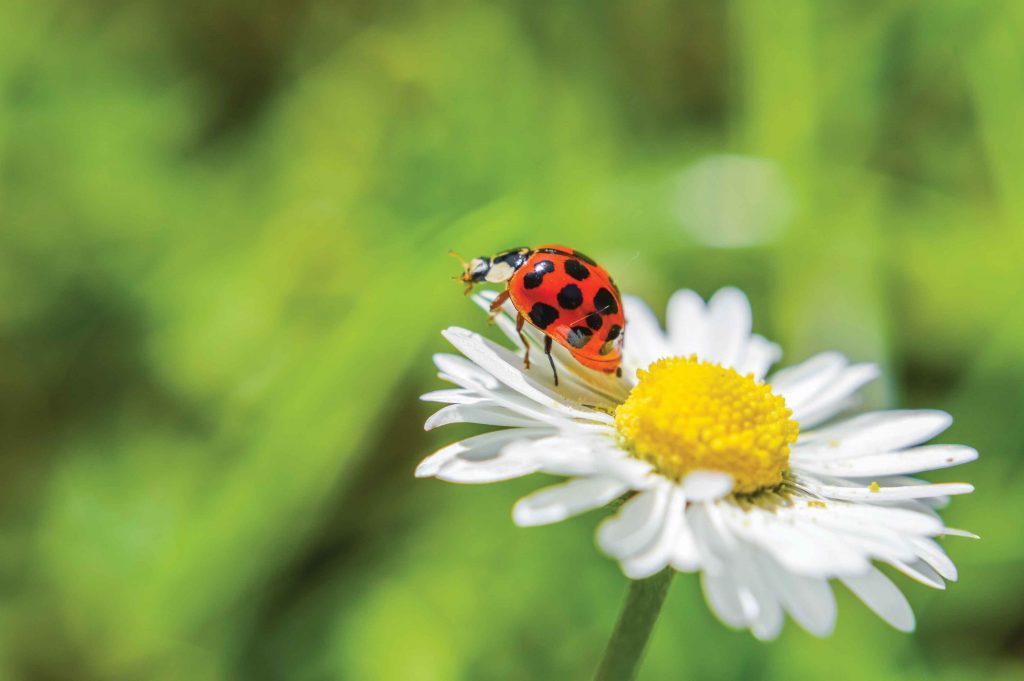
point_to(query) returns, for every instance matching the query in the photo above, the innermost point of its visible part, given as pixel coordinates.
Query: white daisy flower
(740, 476)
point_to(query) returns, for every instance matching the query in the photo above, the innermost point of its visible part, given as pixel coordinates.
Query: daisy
(748, 479)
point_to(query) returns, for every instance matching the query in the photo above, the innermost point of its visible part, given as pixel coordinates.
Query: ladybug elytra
(562, 292)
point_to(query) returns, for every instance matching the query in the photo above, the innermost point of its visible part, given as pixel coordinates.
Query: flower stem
(633, 630)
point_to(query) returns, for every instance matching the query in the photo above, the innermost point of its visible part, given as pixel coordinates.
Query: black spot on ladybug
(570, 297)
(594, 321)
(605, 303)
(584, 258)
(579, 336)
(606, 347)
(542, 315)
(536, 277)
(576, 270)
(613, 332)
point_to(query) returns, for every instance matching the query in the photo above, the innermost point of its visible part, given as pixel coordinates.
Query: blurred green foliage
(223, 229)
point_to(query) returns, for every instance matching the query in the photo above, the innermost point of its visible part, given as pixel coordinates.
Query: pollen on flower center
(687, 415)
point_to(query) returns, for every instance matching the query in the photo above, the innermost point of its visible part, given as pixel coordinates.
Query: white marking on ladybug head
(477, 269)
(500, 271)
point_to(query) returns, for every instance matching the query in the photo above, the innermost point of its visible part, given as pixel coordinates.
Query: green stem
(633, 630)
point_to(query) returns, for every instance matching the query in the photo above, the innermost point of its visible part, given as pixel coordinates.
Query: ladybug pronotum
(562, 292)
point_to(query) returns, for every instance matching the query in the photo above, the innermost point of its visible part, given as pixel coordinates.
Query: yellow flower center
(685, 415)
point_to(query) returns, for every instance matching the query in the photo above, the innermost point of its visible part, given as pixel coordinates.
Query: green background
(223, 237)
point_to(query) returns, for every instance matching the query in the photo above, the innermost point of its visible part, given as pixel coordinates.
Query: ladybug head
(492, 270)
(473, 272)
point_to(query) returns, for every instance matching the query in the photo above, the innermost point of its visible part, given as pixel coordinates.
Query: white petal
(883, 597)
(453, 396)
(875, 432)
(687, 323)
(485, 446)
(462, 371)
(506, 367)
(798, 383)
(758, 357)
(758, 600)
(635, 525)
(685, 555)
(713, 533)
(481, 414)
(655, 557)
(920, 571)
(707, 485)
(926, 458)
(583, 453)
(729, 322)
(798, 547)
(953, 532)
(721, 593)
(842, 513)
(933, 554)
(500, 468)
(894, 493)
(835, 397)
(808, 599)
(558, 502)
(645, 341)
(767, 624)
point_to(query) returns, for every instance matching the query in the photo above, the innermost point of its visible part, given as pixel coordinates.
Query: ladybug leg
(496, 306)
(520, 321)
(551, 360)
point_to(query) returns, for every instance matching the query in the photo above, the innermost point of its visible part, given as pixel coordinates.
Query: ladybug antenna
(459, 258)
(465, 277)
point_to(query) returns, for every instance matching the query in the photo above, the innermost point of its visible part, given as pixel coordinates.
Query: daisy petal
(707, 485)
(920, 571)
(685, 554)
(646, 341)
(926, 458)
(837, 396)
(504, 366)
(798, 383)
(635, 525)
(481, 414)
(484, 446)
(800, 548)
(758, 357)
(452, 396)
(895, 493)
(721, 594)
(658, 554)
(729, 322)
(687, 324)
(874, 432)
(931, 553)
(868, 517)
(558, 502)
(879, 593)
(808, 599)
(483, 458)
(462, 371)
(767, 624)
(953, 532)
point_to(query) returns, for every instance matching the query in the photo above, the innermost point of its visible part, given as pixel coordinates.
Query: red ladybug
(562, 292)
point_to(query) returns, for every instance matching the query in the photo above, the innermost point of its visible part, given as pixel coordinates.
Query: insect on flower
(562, 292)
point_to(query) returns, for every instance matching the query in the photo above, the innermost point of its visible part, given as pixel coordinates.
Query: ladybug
(562, 292)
